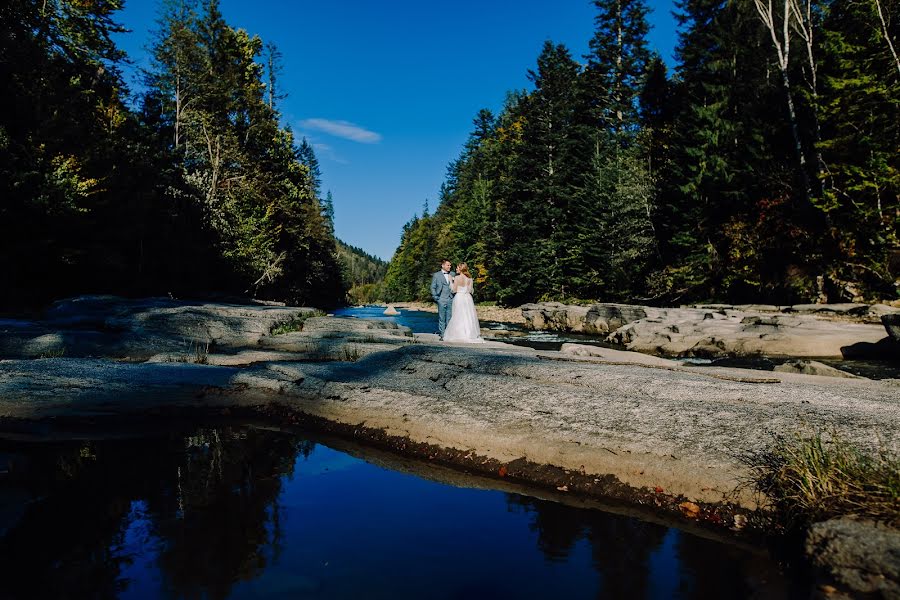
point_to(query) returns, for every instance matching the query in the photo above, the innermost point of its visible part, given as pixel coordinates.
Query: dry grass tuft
(813, 477)
(294, 324)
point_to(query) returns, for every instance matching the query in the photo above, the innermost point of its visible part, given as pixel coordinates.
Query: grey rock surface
(109, 326)
(861, 556)
(679, 429)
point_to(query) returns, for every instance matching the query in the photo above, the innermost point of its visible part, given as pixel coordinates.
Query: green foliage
(614, 181)
(362, 273)
(295, 323)
(199, 190)
(814, 477)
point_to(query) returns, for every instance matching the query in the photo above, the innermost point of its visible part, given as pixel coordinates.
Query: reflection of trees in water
(633, 561)
(211, 499)
(620, 546)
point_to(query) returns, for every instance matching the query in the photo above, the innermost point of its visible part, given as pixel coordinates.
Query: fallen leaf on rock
(503, 471)
(689, 509)
(658, 490)
(740, 521)
(563, 488)
(828, 589)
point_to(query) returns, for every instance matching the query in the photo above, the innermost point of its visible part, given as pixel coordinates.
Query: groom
(440, 291)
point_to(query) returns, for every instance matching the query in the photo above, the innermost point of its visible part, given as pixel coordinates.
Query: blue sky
(386, 90)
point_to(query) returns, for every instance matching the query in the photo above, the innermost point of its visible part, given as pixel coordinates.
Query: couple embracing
(452, 291)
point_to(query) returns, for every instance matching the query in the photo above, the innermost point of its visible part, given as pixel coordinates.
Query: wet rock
(857, 555)
(606, 318)
(813, 367)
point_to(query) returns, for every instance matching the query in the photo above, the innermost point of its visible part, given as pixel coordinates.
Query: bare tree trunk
(782, 52)
(215, 163)
(803, 25)
(178, 108)
(887, 36)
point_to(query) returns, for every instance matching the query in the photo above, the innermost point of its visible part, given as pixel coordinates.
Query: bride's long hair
(463, 268)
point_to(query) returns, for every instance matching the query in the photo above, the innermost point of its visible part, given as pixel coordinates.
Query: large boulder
(606, 318)
(891, 324)
(554, 316)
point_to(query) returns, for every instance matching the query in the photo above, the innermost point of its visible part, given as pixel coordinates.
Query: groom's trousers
(444, 312)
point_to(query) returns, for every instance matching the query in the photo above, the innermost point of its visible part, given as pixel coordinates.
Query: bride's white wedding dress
(463, 325)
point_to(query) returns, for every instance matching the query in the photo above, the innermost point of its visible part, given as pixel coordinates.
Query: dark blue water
(243, 512)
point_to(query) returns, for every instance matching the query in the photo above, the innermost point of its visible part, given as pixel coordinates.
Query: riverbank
(493, 313)
(666, 436)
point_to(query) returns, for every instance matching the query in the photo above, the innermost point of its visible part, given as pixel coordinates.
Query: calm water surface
(243, 512)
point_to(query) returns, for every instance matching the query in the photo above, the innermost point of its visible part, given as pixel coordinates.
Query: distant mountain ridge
(362, 273)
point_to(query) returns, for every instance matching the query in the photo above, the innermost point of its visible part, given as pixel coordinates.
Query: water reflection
(244, 512)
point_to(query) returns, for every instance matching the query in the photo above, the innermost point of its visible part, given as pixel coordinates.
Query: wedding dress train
(463, 326)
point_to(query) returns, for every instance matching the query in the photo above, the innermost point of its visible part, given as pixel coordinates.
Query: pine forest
(764, 167)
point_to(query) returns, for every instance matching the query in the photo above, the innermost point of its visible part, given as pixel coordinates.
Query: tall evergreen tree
(307, 157)
(617, 63)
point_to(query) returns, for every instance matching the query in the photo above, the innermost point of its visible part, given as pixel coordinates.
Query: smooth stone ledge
(682, 430)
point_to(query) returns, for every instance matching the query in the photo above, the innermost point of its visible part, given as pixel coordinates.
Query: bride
(463, 326)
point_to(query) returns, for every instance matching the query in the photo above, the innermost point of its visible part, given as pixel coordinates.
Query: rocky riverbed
(718, 331)
(618, 426)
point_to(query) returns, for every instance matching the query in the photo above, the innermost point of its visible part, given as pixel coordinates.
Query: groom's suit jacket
(440, 289)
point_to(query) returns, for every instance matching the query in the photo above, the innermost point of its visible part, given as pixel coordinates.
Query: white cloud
(342, 129)
(328, 152)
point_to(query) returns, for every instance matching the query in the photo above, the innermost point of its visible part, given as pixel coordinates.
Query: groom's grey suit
(443, 296)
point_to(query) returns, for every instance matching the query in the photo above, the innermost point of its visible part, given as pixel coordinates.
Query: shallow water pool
(246, 512)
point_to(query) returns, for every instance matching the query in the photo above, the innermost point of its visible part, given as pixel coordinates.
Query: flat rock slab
(679, 429)
(109, 326)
